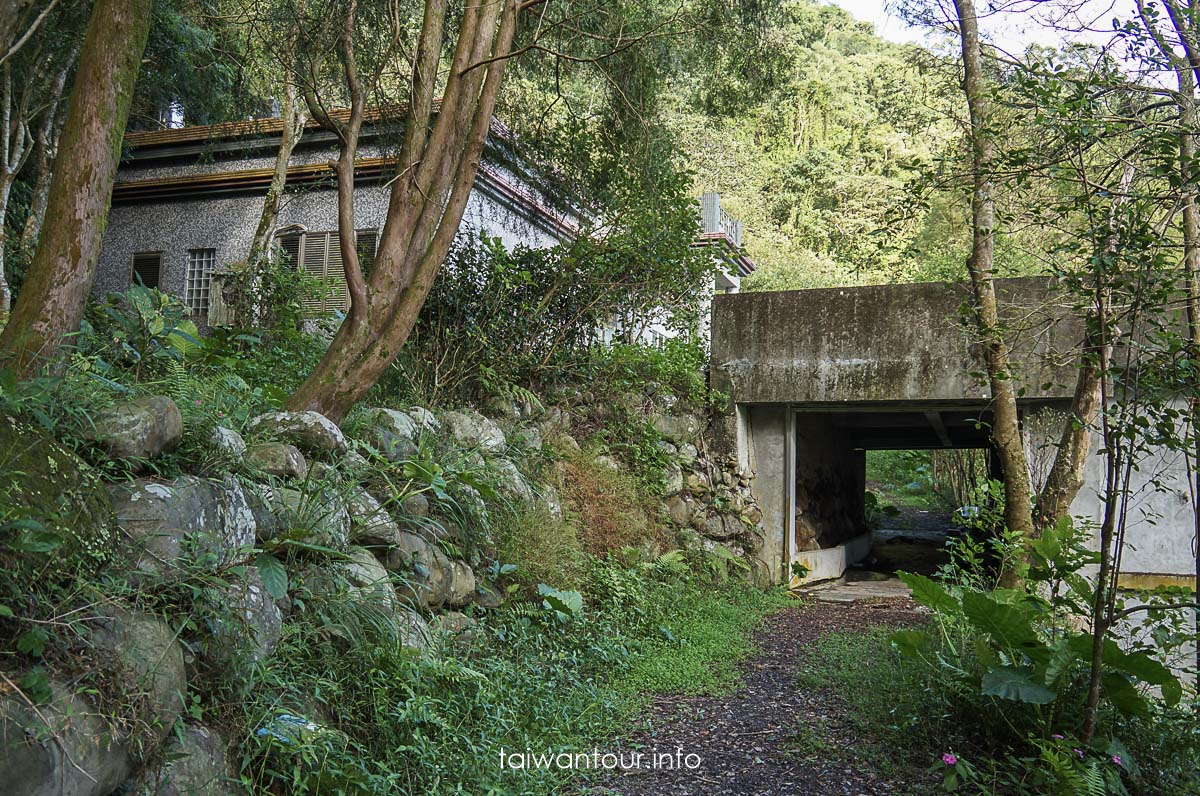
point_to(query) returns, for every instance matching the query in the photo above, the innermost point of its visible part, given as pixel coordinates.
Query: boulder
(696, 483)
(688, 453)
(562, 442)
(504, 407)
(677, 427)
(278, 459)
(472, 430)
(369, 580)
(164, 522)
(722, 526)
(555, 418)
(146, 661)
(752, 514)
(609, 463)
(424, 419)
(487, 596)
(319, 518)
(310, 431)
(456, 625)
(672, 482)
(510, 482)
(393, 433)
(227, 441)
(551, 500)
(370, 524)
(461, 588)
(424, 569)
(680, 508)
(251, 621)
(414, 630)
(65, 747)
(528, 438)
(138, 429)
(194, 763)
(415, 505)
(667, 449)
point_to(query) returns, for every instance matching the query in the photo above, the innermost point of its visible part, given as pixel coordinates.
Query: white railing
(714, 220)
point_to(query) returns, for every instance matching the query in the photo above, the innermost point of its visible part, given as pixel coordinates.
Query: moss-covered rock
(47, 484)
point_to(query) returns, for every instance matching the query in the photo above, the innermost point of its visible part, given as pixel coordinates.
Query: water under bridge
(816, 378)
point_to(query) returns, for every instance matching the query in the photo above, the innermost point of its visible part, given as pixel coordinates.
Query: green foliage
(497, 318)
(269, 293)
(357, 713)
(1017, 657)
(142, 330)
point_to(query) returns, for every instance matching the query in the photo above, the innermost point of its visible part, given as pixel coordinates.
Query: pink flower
(197, 402)
(1117, 759)
(1056, 737)
(949, 759)
(1080, 753)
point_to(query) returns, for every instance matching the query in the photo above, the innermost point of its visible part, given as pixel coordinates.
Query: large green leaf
(274, 575)
(1017, 684)
(910, 643)
(1007, 624)
(1123, 695)
(930, 593)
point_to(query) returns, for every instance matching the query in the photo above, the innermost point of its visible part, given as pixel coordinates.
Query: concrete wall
(766, 449)
(830, 481)
(901, 347)
(1160, 522)
(881, 343)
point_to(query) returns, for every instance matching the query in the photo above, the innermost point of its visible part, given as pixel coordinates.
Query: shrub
(607, 506)
(544, 549)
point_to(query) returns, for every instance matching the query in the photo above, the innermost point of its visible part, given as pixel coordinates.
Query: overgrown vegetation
(1017, 658)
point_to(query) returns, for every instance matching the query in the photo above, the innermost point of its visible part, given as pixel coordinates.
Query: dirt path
(747, 741)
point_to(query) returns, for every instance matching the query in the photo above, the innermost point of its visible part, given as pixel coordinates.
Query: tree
(1006, 430)
(52, 300)
(438, 158)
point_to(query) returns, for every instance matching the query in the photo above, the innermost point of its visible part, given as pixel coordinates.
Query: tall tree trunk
(436, 172)
(63, 267)
(294, 117)
(14, 149)
(1070, 458)
(45, 145)
(1006, 431)
(1187, 74)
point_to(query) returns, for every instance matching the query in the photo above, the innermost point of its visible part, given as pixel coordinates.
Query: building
(187, 200)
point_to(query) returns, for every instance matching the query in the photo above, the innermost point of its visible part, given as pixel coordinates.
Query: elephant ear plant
(1022, 656)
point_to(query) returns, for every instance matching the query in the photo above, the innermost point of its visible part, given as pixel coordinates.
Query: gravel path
(747, 741)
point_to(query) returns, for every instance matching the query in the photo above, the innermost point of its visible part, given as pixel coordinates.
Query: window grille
(199, 280)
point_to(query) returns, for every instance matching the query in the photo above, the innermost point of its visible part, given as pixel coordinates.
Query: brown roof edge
(252, 128)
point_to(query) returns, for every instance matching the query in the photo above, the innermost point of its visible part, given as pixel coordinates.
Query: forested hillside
(817, 137)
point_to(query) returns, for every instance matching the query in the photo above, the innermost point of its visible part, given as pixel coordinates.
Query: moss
(47, 483)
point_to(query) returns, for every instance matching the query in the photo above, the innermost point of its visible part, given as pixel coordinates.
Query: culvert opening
(882, 488)
(916, 501)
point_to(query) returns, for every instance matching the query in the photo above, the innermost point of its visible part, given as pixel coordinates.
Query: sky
(1012, 31)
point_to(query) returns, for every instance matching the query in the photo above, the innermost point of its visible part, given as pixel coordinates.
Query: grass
(902, 478)
(701, 643)
(884, 705)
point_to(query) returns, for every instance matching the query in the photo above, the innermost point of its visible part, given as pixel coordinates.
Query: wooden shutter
(147, 268)
(366, 241)
(313, 263)
(290, 245)
(321, 257)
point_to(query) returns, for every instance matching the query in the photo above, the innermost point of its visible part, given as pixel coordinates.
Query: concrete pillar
(766, 449)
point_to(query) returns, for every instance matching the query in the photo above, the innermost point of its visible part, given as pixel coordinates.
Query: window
(147, 266)
(320, 255)
(199, 278)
